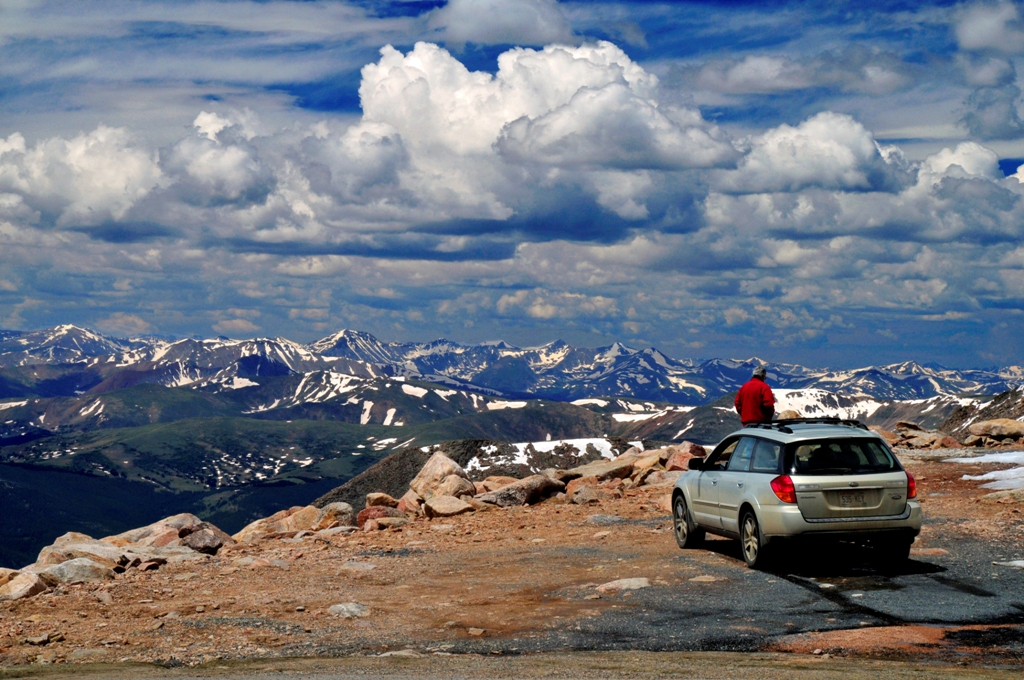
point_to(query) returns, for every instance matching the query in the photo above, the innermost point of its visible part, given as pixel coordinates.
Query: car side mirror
(696, 463)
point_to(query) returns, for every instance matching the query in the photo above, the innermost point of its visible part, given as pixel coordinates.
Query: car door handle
(739, 484)
(714, 482)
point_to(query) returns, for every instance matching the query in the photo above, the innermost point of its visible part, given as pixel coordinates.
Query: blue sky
(825, 183)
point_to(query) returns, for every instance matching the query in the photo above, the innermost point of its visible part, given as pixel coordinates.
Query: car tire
(755, 553)
(687, 536)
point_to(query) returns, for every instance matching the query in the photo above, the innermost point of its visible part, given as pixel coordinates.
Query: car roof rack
(783, 425)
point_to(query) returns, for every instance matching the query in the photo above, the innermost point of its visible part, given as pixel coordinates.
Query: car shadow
(829, 560)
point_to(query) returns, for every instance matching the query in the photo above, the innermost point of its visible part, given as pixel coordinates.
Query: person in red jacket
(755, 402)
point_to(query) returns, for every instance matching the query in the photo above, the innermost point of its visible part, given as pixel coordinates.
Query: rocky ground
(502, 580)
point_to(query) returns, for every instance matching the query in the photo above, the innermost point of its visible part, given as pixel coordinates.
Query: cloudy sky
(814, 182)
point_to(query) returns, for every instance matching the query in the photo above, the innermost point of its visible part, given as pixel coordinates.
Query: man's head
(760, 373)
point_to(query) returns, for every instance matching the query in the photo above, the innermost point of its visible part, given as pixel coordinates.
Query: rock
(604, 520)
(390, 522)
(480, 488)
(25, 584)
(999, 428)
(371, 525)
(632, 453)
(904, 426)
(479, 506)
(380, 499)
(335, 515)
(890, 437)
(476, 632)
(651, 460)
(922, 440)
(410, 503)
(336, 531)
(207, 540)
(589, 494)
(639, 477)
(349, 610)
(788, 414)
(606, 469)
(495, 482)
(575, 485)
(376, 512)
(947, 443)
(974, 440)
(663, 477)
(433, 472)
(454, 485)
(445, 506)
(160, 534)
(564, 476)
(7, 574)
(523, 492)
(290, 521)
(78, 570)
(624, 584)
(681, 455)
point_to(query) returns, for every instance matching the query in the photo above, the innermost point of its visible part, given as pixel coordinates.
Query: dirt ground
(506, 577)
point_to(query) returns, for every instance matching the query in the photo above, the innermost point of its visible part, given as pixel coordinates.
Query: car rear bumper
(783, 521)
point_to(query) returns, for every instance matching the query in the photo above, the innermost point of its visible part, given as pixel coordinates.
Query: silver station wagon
(801, 478)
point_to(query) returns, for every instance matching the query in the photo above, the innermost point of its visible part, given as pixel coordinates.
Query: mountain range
(67, 360)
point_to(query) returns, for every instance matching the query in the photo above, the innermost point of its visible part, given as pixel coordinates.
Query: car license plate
(851, 499)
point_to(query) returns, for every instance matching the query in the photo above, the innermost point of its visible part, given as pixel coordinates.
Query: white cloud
(829, 150)
(501, 22)
(87, 179)
(986, 26)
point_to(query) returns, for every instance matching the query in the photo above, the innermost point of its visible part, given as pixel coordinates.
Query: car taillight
(911, 486)
(784, 489)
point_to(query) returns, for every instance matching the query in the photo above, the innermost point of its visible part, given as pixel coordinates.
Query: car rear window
(853, 456)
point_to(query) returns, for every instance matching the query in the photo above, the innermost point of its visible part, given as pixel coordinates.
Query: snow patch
(365, 417)
(414, 391)
(12, 404)
(600, 403)
(501, 405)
(390, 416)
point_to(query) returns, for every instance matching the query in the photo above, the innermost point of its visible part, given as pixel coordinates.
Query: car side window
(766, 456)
(719, 459)
(740, 460)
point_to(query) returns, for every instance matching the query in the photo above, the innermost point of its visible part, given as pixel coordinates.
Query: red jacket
(755, 402)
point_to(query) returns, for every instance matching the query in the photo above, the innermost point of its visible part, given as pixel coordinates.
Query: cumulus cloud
(86, 180)
(501, 22)
(829, 150)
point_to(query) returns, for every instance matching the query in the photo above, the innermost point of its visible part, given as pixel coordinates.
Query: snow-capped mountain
(59, 345)
(556, 371)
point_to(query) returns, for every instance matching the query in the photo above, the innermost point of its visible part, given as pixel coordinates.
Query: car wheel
(752, 544)
(686, 535)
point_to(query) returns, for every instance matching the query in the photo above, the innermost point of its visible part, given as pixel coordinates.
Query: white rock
(349, 610)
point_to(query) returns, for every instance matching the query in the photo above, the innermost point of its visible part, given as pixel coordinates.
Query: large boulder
(410, 503)
(378, 498)
(437, 468)
(376, 512)
(336, 514)
(495, 482)
(166, 532)
(998, 428)
(25, 584)
(207, 539)
(78, 570)
(682, 454)
(294, 520)
(607, 469)
(523, 492)
(445, 506)
(453, 485)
